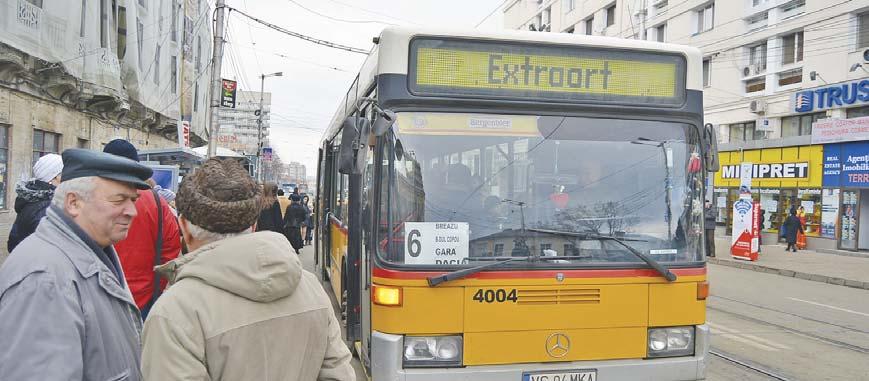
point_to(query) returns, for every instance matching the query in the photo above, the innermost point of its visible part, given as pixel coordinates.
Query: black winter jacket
(34, 196)
(270, 219)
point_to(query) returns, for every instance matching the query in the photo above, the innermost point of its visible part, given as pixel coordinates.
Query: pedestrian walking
(710, 214)
(309, 224)
(294, 219)
(153, 238)
(66, 312)
(33, 198)
(240, 306)
(270, 217)
(284, 201)
(789, 230)
(801, 236)
(760, 230)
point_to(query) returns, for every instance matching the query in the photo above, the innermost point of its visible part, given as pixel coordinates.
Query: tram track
(809, 335)
(789, 313)
(750, 365)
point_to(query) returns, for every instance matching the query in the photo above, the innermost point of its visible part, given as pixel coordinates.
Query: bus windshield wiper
(665, 272)
(436, 280)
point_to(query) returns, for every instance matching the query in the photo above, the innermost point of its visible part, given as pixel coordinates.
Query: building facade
(786, 82)
(297, 173)
(79, 74)
(238, 126)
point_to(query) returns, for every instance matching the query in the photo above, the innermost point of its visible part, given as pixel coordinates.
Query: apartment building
(786, 82)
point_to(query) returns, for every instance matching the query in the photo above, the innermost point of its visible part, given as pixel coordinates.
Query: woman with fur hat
(294, 219)
(34, 196)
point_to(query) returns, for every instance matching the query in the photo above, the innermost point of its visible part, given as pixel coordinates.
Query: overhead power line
(340, 19)
(299, 35)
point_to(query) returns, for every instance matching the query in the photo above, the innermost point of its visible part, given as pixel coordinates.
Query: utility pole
(216, 60)
(259, 125)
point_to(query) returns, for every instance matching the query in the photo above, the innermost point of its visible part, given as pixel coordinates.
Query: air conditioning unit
(757, 106)
(752, 69)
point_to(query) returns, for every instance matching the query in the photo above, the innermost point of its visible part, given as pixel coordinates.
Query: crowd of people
(111, 277)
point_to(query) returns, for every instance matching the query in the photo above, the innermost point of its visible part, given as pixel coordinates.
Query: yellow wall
(814, 155)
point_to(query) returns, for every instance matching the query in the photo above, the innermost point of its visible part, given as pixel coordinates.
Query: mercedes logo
(557, 345)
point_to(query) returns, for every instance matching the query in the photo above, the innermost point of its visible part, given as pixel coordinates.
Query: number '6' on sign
(413, 245)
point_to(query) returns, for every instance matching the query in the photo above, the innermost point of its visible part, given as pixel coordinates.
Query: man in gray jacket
(66, 312)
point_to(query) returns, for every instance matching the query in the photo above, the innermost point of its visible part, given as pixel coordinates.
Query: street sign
(227, 98)
(267, 154)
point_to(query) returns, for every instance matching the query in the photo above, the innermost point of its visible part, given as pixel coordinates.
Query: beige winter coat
(243, 308)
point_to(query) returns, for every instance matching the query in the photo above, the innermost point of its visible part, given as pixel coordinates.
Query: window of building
(863, 30)
(499, 249)
(198, 55)
(589, 26)
(45, 142)
(568, 6)
(4, 163)
(174, 23)
(82, 143)
(793, 8)
(196, 96)
(570, 249)
(142, 3)
(857, 112)
(661, 32)
(545, 246)
(754, 85)
(757, 58)
(157, 65)
(104, 24)
(37, 3)
(792, 48)
(546, 17)
(173, 67)
(705, 18)
(707, 63)
(140, 38)
(758, 21)
(84, 7)
(755, 3)
(740, 132)
(799, 125)
(611, 15)
(790, 77)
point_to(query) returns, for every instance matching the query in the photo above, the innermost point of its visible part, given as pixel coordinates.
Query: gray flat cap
(79, 162)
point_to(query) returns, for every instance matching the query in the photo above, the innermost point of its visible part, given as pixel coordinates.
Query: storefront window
(810, 200)
(829, 212)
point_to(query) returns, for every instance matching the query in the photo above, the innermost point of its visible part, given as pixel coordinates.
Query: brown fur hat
(220, 197)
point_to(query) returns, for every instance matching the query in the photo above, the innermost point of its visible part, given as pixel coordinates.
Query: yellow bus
(519, 206)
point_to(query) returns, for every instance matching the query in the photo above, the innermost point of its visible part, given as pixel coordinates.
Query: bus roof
(391, 55)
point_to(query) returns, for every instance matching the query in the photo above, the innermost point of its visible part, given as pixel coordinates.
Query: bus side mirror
(711, 138)
(349, 153)
(384, 120)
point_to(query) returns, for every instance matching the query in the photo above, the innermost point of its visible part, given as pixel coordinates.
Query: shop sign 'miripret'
(798, 170)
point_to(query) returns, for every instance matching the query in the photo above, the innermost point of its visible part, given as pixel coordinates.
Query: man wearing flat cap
(239, 305)
(66, 312)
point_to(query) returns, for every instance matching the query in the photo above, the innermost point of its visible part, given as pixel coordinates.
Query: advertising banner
(746, 218)
(846, 165)
(227, 94)
(840, 130)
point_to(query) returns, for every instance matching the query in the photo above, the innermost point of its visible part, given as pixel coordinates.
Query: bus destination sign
(440, 67)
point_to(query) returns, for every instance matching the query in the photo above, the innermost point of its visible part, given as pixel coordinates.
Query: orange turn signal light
(702, 290)
(386, 295)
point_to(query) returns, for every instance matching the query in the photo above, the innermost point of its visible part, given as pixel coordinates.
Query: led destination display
(566, 73)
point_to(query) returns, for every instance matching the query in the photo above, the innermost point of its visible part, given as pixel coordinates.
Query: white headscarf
(48, 167)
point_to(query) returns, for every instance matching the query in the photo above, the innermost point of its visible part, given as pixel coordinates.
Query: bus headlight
(432, 351)
(671, 341)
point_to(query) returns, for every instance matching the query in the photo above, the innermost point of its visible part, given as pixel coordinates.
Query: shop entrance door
(849, 219)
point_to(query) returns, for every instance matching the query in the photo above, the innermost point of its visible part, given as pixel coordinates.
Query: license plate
(570, 375)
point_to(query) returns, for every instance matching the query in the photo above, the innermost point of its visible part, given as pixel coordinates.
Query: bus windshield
(462, 189)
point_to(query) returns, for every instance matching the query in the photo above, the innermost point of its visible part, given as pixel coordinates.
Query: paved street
(767, 326)
(792, 328)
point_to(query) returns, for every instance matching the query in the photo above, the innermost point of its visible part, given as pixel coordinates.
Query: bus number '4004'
(491, 296)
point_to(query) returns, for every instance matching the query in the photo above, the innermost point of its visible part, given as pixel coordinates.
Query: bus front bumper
(386, 365)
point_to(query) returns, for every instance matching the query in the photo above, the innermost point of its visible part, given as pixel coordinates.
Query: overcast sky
(316, 77)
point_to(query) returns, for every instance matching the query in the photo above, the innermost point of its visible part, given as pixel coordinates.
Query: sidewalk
(840, 270)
